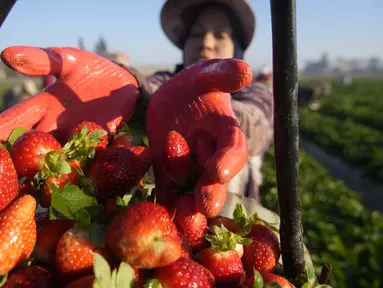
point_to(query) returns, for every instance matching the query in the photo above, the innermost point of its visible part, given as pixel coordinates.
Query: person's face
(211, 36)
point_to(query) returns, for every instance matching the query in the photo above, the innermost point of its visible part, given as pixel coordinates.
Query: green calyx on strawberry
(38, 155)
(84, 140)
(122, 277)
(55, 164)
(16, 133)
(246, 223)
(223, 240)
(126, 137)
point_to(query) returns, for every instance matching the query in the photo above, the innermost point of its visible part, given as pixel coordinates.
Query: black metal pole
(286, 137)
(5, 8)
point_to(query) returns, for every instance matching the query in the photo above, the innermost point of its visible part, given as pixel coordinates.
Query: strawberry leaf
(125, 276)
(152, 283)
(84, 130)
(245, 230)
(63, 167)
(82, 217)
(97, 234)
(124, 201)
(273, 285)
(224, 240)
(3, 279)
(96, 135)
(16, 133)
(145, 140)
(240, 215)
(56, 164)
(102, 272)
(122, 277)
(306, 285)
(258, 280)
(70, 200)
(124, 129)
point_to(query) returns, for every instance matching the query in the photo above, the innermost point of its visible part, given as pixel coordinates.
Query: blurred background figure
(19, 93)
(346, 79)
(309, 96)
(26, 89)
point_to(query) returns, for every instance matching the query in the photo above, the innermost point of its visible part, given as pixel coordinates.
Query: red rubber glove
(88, 87)
(196, 105)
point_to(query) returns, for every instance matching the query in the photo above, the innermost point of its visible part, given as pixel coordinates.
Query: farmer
(203, 30)
(222, 29)
(309, 96)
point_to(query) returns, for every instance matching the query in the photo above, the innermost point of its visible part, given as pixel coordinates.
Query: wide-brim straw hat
(175, 28)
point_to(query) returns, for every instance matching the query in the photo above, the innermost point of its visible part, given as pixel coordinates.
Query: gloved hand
(192, 130)
(88, 87)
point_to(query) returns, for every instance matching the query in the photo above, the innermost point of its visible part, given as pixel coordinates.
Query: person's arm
(253, 106)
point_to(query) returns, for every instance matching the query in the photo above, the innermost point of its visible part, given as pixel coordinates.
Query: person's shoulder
(256, 87)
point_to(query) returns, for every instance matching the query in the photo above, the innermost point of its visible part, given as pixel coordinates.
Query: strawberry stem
(224, 240)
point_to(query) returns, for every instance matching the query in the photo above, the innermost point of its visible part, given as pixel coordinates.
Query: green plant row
(337, 228)
(361, 101)
(357, 144)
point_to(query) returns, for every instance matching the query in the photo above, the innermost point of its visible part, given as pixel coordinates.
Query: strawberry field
(350, 124)
(338, 229)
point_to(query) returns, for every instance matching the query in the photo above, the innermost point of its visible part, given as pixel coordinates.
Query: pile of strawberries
(103, 228)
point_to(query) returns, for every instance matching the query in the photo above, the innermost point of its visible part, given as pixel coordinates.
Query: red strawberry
(263, 253)
(144, 236)
(32, 276)
(74, 254)
(100, 138)
(225, 221)
(18, 232)
(48, 237)
(191, 223)
(226, 266)
(116, 170)
(186, 249)
(184, 273)
(123, 140)
(176, 159)
(269, 278)
(222, 259)
(33, 150)
(9, 186)
(83, 282)
(84, 140)
(60, 182)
